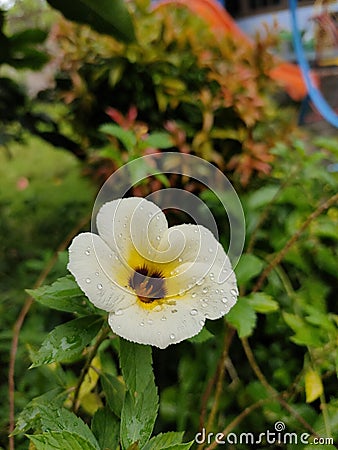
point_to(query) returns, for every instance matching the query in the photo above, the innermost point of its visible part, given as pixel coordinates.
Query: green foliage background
(274, 356)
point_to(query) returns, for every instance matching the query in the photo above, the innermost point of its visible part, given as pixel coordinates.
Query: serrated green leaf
(114, 390)
(66, 342)
(63, 295)
(304, 334)
(164, 440)
(242, 316)
(138, 416)
(30, 416)
(61, 440)
(140, 405)
(136, 365)
(105, 427)
(105, 16)
(262, 303)
(248, 267)
(185, 446)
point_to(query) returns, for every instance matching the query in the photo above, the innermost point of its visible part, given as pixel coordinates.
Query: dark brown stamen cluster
(148, 284)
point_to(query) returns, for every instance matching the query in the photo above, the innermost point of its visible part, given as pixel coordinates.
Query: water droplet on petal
(193, 295)
(120, 235)
(118, 312)
(150, 321)
(157, 217)
(158, 238)
(163, 318)
(88, 280)
(205, 290)
(180, 259)
(224, 300)
(87, 252)
(211, 250)
(234, 292)
(172, 336)
(200, 282)
(97, 274)
(142, 324)
(157, 308)
(194, 312)
(217, 291)
(174, 311)
(99, 286)
(202, 322)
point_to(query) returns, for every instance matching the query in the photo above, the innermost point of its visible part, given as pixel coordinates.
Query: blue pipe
(315, 95)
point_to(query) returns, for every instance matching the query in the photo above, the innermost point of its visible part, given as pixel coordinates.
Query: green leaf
(30, 416)
(242, 316)
(138, 416)
(66, 342)
(158, 140)
(105, 427)
(262, 196)
(63, 295)
(262, 303)
(203, 336)
(27, 37)
(248, 267)
(136, 365)
(115, 392)
(304, 334)
(105, 16)
(127, 137)
(164, 440)
(313, 385)
(181, 446)
(64, 440)
(140, 406)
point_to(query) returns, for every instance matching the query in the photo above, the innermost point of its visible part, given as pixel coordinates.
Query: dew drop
(150, 321)
(99, 286)
(157, 217)
(180, 259)
(200, 282)
(174, 311)
(211, 275)
(234, 292)
(205, 290)
(88, 280)
(163, 318)
(194, 312)
(217, 291)
(157, 308)
(118, 312)
(87, 252)
(193, 295)
(224, 300)
(120, 235)
(222, 291)
(97, 274)
(202, 322)
(158, 238)
(211, 250)
(142, 324)
(172, 336)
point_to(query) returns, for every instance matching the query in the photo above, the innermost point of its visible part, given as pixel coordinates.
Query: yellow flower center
(149, 285)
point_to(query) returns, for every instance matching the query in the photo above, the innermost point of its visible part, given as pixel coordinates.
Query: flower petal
(132, 225)
(97, 271)
(161, 326)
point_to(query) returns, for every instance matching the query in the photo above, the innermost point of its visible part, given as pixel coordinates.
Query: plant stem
(280, 255)
(20, 320)
(259, 374)
(100, 338)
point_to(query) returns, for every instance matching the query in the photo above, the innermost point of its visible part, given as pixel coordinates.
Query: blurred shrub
(216, 92)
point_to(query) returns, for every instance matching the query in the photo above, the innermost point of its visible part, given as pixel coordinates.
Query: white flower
(158, 284)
